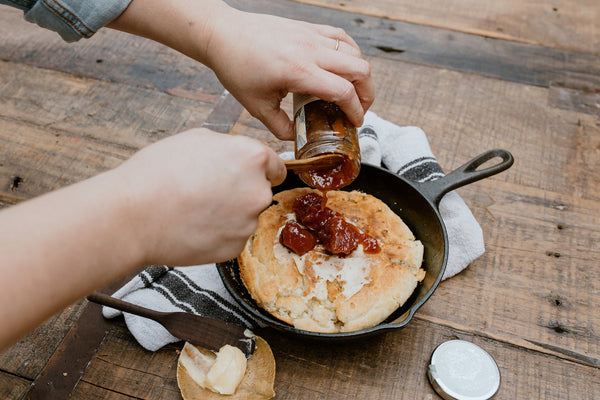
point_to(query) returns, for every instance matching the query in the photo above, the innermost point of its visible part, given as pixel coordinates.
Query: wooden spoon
(317, 162)
(201, 331)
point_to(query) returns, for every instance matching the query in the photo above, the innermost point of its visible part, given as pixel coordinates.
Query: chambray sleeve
(72, 19)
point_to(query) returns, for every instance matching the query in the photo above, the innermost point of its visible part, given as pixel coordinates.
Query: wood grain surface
(474, 75)
(564, 24)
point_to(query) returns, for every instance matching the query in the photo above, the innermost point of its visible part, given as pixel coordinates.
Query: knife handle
(109, 301)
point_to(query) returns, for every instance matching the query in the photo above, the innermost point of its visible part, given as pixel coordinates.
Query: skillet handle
(435, 190)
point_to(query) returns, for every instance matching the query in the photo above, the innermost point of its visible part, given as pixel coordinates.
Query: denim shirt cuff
(75, 19)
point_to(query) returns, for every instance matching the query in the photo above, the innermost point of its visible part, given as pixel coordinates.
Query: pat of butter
(220, 373)
(228, 370)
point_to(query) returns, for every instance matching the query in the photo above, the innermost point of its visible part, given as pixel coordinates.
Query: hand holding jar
(260, 58)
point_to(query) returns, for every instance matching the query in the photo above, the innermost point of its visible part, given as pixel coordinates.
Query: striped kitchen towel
(199, 290)
(196, 289)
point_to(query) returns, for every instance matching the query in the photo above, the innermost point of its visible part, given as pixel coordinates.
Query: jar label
(300, 100)
(300, 121)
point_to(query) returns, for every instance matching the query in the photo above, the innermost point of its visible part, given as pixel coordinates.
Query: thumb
(276, 171)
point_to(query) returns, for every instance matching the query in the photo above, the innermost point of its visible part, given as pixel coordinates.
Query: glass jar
(322, 128)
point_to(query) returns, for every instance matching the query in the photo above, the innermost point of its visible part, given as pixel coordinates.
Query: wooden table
(475, 75)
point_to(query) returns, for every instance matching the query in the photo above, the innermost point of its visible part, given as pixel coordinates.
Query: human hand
(195, 197)
(261, 58)
(189, 199)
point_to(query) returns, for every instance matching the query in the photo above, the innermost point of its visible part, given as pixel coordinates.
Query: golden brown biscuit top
(322, 292)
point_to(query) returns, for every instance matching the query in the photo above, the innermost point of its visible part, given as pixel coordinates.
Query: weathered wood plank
(68, 363)
(29, 355)
(85, 391)
(70, 360)
(465, 114)
(393, 367)
(565, 24)
(499, 300)
(538, 281)
(82, 127)
(389, 366)
(149, 64)
(403, 41)
(109, 55)
(44, 160)
(224, 115)
(12, 387)
(131, 370)
(577, 98)
(127, 116)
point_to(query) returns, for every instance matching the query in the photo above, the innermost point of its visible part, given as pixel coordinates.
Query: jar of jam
(322, 128)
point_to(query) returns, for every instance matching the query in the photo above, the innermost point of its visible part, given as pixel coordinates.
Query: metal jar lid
(461, 370)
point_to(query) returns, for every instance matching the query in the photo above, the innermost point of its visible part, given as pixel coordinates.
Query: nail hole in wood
(15, 183)
(558, 327)
(389, 50)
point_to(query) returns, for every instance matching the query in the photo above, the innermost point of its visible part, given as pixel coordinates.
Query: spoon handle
(317, 162)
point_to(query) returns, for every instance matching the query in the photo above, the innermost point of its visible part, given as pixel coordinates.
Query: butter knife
(209, 333)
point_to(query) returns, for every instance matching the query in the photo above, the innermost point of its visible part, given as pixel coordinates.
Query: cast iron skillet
(418, 205)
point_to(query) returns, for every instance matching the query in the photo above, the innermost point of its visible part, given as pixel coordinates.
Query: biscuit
(321, 292)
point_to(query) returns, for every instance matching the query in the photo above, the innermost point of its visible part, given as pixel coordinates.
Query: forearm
(184, 25)
(59, 247)
(259, 58)
(189, 199)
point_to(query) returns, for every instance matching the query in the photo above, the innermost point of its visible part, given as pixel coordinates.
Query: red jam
(339, 236)
(335, 177)
(325, 226)
(311, 211)
(370, 245)
(297, 238)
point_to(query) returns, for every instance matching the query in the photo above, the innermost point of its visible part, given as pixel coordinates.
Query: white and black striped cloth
(199, 290)
(196, 289)
(421, 169)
